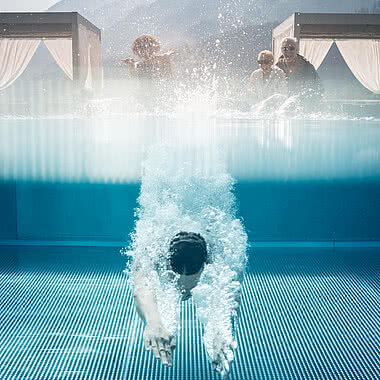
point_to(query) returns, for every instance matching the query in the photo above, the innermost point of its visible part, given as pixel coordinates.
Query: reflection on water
(112, 149)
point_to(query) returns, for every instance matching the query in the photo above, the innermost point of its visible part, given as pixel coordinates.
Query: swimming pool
(309, 195)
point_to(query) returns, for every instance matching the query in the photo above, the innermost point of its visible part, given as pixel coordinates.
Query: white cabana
(72, 40)
(357, 37)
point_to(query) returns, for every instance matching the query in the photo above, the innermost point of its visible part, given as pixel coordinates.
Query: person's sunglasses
(287, 48)
(265, 62)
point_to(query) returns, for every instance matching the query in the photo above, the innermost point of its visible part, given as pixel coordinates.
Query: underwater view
(189, 190)
(293, 204)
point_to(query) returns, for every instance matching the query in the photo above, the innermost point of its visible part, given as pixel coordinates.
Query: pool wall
(273, 211)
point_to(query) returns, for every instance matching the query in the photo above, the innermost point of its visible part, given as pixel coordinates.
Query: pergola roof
(330, 26)
(85, 39)
(356, 35)
(43, 25)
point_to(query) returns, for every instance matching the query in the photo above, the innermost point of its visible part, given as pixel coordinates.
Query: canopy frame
(332, 26)
(59, 25)
(357, 37)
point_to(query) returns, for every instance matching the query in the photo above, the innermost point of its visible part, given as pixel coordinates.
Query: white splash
(176, 196)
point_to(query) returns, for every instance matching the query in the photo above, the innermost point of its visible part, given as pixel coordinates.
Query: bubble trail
(181, 196)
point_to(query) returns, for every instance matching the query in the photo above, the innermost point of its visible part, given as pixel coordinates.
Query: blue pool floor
(307, 313)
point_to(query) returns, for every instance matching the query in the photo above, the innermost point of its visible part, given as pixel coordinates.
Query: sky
(25, 5)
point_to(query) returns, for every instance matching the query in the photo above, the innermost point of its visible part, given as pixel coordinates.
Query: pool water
(309, 196)
(307, 313)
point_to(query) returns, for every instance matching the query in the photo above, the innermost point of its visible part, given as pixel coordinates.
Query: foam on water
(202, 94)
(176, 197)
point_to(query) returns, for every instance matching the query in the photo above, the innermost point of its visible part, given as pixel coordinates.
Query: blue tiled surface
(272, 211)
(307, 313)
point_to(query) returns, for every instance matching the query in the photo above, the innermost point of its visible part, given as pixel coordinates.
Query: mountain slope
(196, 24)
(227, 13)
(102, 13)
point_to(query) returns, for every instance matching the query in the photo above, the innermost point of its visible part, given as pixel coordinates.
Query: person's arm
(313, 82)
(218, 306)
(132, 65)
(156, 336)
(282, 84)
(255, 87)
(281, 65)
(164, 65)
(318, 85)
(145, 301)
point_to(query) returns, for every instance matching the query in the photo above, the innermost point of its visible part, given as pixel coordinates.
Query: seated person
(268, 79)
(300, 73)
(151, 64)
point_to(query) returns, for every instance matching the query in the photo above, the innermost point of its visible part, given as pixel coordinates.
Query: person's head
(187, 257)
(145, 46)
(265, 59)
(289, 48)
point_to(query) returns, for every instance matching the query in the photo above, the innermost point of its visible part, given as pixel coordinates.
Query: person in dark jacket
(301, 75)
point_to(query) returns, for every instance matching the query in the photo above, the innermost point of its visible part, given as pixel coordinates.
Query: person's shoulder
(165, 57)
(278, 71)
(255, 74)
(281, 61)
(302, 60)
(169, 53)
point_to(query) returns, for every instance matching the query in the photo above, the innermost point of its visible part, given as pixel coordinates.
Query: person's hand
(222, 354)
(128, 61)
(169, 53)
(162, 343)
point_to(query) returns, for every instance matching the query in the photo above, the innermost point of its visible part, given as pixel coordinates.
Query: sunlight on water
(111, 150)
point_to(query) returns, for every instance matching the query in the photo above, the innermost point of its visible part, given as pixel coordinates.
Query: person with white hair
(268, 80)
(301, 75)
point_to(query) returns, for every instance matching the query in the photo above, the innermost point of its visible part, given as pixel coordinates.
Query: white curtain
(15, 55)
(315, 50)
(363, 59)
(85, 61)
(62, 51)
(88, 82)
